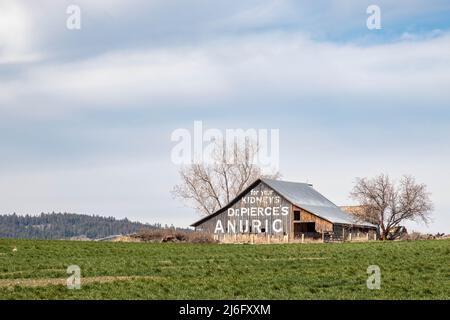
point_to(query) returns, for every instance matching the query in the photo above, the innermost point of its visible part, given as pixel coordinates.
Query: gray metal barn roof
(303, 195)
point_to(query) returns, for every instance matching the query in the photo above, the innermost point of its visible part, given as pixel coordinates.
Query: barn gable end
(244, 211)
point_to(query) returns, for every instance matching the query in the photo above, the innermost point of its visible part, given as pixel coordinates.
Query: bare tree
(387, 204)
(210, 186)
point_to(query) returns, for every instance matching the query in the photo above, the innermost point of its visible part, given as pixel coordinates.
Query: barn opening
(304, 227)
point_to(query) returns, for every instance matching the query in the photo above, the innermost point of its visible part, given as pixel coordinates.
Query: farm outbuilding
(281, 211)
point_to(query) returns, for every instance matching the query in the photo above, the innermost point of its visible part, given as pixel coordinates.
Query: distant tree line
(66, 225)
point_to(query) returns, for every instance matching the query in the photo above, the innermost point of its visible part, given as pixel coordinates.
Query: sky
(86, 115)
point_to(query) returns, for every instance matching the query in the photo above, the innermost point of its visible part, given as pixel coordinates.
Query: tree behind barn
(388, 204)
(209, 186)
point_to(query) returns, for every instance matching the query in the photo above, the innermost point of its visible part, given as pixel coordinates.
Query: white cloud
(16, 38)
(275, 66)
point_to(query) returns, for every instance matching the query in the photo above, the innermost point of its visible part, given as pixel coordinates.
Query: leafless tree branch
(387, 204)
(209, 187)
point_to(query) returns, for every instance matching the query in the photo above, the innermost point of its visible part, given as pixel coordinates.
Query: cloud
(407, 36)
(16, 38)
(256, 68)
(111, 25)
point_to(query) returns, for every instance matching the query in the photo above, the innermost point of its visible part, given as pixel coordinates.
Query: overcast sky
(86, 115)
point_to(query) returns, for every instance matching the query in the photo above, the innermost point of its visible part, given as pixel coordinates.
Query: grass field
(409, 270)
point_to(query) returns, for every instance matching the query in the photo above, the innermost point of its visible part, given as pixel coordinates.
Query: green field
(409, 270)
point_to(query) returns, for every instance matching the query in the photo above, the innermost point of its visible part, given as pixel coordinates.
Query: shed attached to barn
(281, 211)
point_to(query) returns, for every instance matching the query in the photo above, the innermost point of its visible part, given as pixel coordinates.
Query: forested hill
(65, 226)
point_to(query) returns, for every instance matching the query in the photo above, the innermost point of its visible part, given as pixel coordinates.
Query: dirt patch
(294, 259)
(63, 282)
(30, 271)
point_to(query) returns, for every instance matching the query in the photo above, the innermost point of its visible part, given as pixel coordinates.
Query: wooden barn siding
(210, 225)
(305, 216)
(344, 231)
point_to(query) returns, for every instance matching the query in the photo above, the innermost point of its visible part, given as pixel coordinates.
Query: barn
(280, 211)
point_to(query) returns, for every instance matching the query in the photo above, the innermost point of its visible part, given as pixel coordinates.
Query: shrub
(173, 235)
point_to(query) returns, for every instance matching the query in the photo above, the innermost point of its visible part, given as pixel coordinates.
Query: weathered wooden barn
(280, 211)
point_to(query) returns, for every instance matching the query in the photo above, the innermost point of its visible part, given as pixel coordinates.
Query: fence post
(303, 237)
